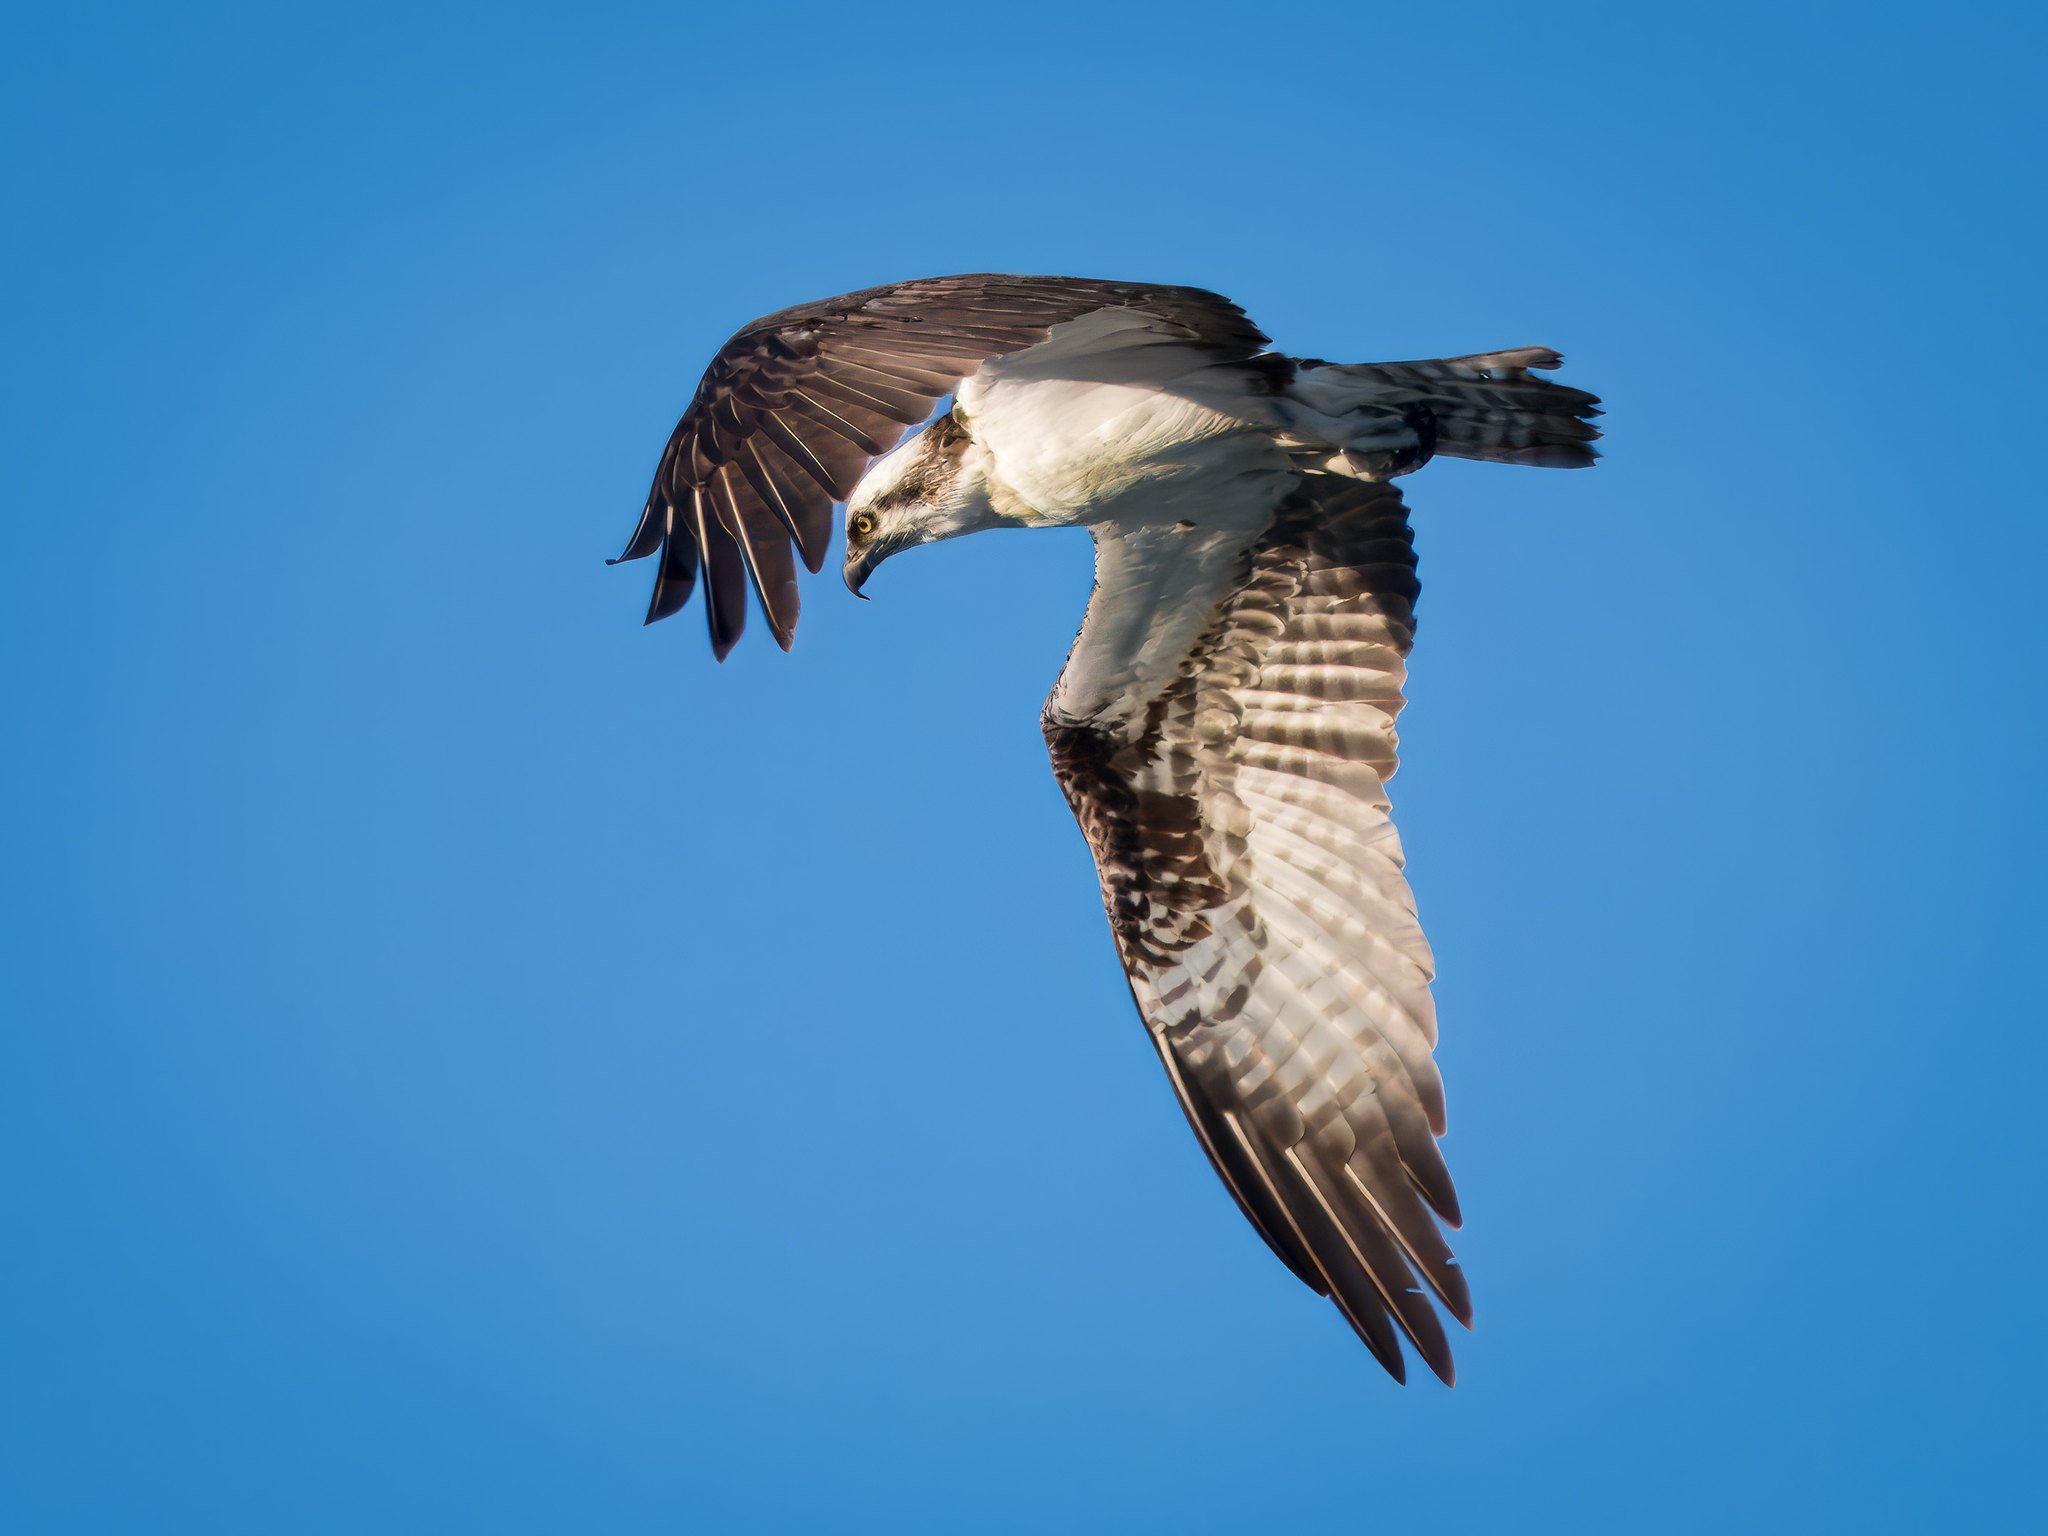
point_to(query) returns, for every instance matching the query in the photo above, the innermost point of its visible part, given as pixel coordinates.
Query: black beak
(858, 569)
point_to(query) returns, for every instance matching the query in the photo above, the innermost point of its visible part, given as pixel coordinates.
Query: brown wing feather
(795, 406)
(1252, 880)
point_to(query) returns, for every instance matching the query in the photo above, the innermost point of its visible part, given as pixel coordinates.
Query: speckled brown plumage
(1296, 683)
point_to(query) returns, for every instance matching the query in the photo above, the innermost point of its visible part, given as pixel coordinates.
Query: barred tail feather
(1491, 406)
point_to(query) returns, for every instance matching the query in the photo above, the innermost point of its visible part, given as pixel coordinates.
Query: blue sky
(474, 1064)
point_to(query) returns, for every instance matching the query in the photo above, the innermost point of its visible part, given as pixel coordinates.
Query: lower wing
(1252, 876)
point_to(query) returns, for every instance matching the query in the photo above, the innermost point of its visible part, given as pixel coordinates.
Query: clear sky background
(473, 1064)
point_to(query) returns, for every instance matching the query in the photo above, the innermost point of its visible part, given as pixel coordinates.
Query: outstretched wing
(1253, 880)
(796, 405)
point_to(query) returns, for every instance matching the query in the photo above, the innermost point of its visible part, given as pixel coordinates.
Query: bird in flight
(1224, 725)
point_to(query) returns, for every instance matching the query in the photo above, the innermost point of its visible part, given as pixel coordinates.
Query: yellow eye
(863, 525)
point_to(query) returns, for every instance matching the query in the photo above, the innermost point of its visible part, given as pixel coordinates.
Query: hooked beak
(858, 569)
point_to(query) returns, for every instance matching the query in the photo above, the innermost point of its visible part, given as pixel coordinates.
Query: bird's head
(933, 487)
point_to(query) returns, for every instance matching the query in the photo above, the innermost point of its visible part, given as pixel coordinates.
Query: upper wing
(796, 405)
(1253, 881)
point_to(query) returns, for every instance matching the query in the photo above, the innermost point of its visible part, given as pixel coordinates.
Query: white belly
(1134, 426)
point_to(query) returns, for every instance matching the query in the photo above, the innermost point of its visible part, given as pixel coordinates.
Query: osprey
(1224, 725)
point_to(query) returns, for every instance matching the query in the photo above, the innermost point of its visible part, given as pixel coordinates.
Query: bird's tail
(1490, 406)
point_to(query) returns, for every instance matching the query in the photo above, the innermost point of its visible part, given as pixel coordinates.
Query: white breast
(1113, 417)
